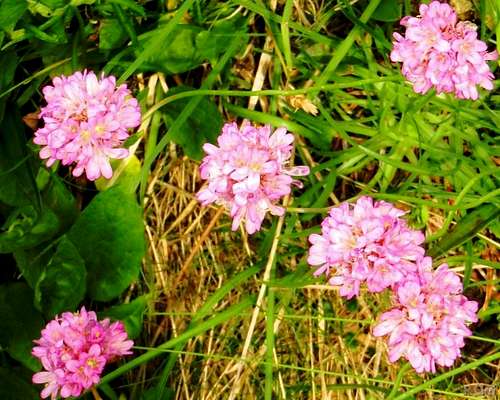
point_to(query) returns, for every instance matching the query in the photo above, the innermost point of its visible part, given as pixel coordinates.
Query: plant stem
(399, 379)
(95, 393)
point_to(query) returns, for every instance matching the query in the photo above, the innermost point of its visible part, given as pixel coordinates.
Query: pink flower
(248, 173)
(365, 242)
(438, 52)
(428, 322)
(86, 122)
(74, 349)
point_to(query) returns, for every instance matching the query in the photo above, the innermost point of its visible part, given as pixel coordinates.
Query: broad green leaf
(17, 182)
(193, 46)
(179, 55)
(126, 174)
(61, 286)
(466, 228)
(130, 314)
(202, 126)
(388, 11)
(26, 227)
(10, 12)
(32, 261)
(111, 34)
(14, 387)
(20, 323)
(59, 199)
(109, 235)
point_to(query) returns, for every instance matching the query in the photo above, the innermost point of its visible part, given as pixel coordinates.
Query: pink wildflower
(365, 242)
(86, 121)
(248, 173)
(438, 52)
(428, 323)
(73, 349)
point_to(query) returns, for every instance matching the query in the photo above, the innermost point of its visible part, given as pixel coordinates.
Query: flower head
(73, 349)
(428, 322)
(248, 172)
(86, 120)
(365, 242)
(437, 51)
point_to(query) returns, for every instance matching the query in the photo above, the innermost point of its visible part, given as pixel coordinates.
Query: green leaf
(466, 228)
(193, 46)
(388, 11)
(111, 34)
(109, 235)
(127, 174)
(59, 199)
(179, 55)
(26, 227)
(203, 125)
(20, 323)
(130, 314)
(31, 262)
(61, 286)
(130, 5)
(11, 11)
(17, 182)
(14, 387)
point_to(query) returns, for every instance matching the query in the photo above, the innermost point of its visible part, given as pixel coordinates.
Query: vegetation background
(216, 314)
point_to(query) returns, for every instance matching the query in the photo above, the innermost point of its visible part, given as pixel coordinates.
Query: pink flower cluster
(368, 242)
(429, 320)
(86, 120)
(74, 349)
(437, 51)
(248, 173)
(365, 242)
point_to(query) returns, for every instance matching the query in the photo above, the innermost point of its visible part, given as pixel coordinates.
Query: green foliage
(193, 46)
(10, 12)
(467, 228)
(131, 314)
(14, 387)
(434, 155)
(20, 323)
(61, 285)
(203, 124)
(388, 11)
(126, 175)
(109, 236)
(111, 34)
(16, 173)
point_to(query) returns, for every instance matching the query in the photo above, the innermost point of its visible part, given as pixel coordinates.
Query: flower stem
(95, 393)
(397, 383)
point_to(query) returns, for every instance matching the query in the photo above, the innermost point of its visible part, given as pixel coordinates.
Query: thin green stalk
(399, 379)
(285, 33)
(157, 42)
(200, 314)
(154, 128)
(195, 331)
(186, 112)
(268, 389)
(456, 206)
(343, 48)
(466, 367)
(267, 92)
(127, 25)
